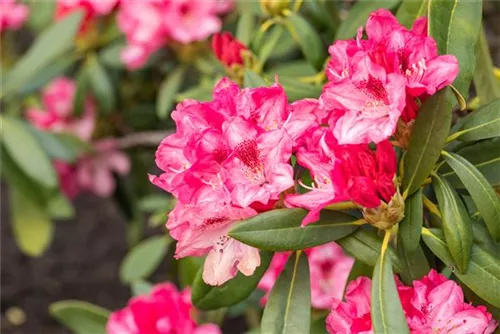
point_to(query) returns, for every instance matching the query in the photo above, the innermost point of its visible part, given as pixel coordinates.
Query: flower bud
(386, 215)
(274, 7)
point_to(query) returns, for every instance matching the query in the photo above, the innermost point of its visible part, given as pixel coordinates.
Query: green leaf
(141, 287)
(188, 268)
(296, 90)
(207, 297)
(358, 15)
(483, 238)
(264, 44)
(455, 25)
(456, 222)
(82, 86)
(142, 260)
(482, 193)
(154, 202)
(200, 93)
(415, 262)
(294, 68)
(59, 207)
(55, 146)
(27, 152)
(364, 245)
(253, 80)
(483, 273)
(288, 308)
(482, 123)
(429, 134)
(101, 85)
(308, 39)
(387, 312)
(168, 90)
(44, 14)
(359, 269)
(110, 56)
(281, 230)
(47, 74)
(411, 227)
(486, 84)
(246, 27)
(410, 10)
(32, 227)
(80, 317)
(484, 155)
(51, 44)
(318, 326)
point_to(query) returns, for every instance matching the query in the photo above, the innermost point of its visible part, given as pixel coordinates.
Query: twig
(149, 138)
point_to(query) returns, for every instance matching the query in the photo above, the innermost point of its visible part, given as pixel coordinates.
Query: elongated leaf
(484, 155)
(486, 85)
(253, 80)
(246, 27)
(410, 228)
(51, 44)
(101, 85)
(81, 317)
(188, 269)
(200, 93)
(308, 39)
(206, 297)
(32, 227)
(483, 274)
(358, 15)
(59, 207)
(296, 90)
(281, 230)
(410, 10)
(364, 245)
(456, 222)
(26, 152)
(429, 133)
(415, 261)
(481, 124)
(143, 259)
(483, 238)
(482, 193)
(110, 55)
(55, 146)
(264, 44)
(47, 74)
(288, 307)
(359, 269)
(455, 25)
(387, 312)
(318, 326)
(168, 90)
(141, 287)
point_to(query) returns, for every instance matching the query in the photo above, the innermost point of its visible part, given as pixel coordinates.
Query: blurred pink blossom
(434, 304)
(165, 310)
(90, 8)
(329, 268)
(12, 15)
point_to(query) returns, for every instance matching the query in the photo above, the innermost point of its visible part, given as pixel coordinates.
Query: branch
(149, 138)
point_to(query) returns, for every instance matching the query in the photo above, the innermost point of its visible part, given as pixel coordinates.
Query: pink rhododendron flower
(434, 304)
(90, 8)
(329, 268)
(12, 14)
(374, 82)
(56, 116)
(228, 49)
(165, 310)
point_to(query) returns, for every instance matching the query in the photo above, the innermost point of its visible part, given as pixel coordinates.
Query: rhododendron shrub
(288, 166)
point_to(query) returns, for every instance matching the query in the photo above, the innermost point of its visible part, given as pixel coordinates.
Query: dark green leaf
(288, 307)
(168, 90)
(31, 225)
(296, 90)
(364, 245)
(264, 44)
(308, 39)
(359, 269)
(51, 44)
(44, 14)
(483, 273)
(200, 93)
(55, 146)
(359, 14)
(482, 193)
(206, 297)
(253, 80)
(483, 238)
(429, 134)
(456, 222)
(387, 312)
(47, 74)
(481, 124)
(318, 326)
(143, 259)
(246, 27)
(411, 227)
(82, 86)
(81, 317)
(410, 10)
(110, 56)
(455, 26)
(281, 230)
(486, 85)
(415, 261)
(101, 85)
(188, 268)
(27, 152)
(59, 207)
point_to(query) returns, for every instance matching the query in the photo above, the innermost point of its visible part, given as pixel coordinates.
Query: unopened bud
(274, 7)
(386, 215)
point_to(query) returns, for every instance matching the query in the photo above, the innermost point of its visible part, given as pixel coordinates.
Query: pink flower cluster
(375, 82)
(329, 268)
(91, 9)
(94, 171)
(434, 304)
(12, 15)
(164, 311)
(149, 25)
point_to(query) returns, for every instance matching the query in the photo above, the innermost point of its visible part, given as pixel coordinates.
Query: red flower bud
(228, 49)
